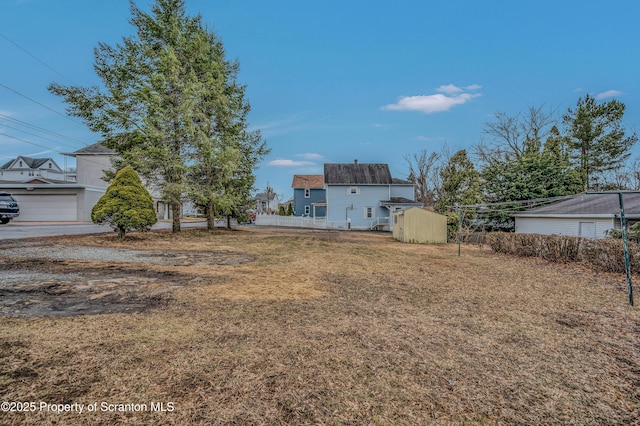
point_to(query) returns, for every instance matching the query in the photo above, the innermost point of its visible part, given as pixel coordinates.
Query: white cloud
(608, 94)
(311, 156)
(450, 95)
(281, 162)
(423, 138)
(449, 89)
(430, 103)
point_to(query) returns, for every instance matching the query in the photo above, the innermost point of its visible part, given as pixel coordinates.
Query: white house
(582, 215)
(45, 192)
(363, 196)
(23, 169)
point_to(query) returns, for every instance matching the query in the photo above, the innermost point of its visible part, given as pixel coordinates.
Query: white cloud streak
(608, 94)
(450, 95)
(311, 156)
(282, 162)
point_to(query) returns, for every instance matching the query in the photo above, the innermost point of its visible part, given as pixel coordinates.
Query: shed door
(47, 208)
(587, 229)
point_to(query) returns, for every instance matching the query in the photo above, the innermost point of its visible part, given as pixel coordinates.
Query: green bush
(126, 205)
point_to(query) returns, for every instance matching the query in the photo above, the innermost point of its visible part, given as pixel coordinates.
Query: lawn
(317, 327)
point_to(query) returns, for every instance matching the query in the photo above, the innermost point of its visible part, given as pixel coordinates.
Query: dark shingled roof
(32, 163)
(95, 149)
(589, 204)
(264, 196)
(357, 174)
(400, 200)
(308, 181)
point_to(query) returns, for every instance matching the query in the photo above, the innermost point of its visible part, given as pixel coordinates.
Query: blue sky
(334, 81)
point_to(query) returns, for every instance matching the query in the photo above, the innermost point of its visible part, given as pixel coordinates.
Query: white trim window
(307, 193)
(307, 210)
(353, 190)
(369, 213)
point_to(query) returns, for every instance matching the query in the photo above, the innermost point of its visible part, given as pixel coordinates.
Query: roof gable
(30, 163)
(95, 149)
(357, 174)
(308, 181)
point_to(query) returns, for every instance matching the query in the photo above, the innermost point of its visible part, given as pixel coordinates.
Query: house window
(307, 210)
(353, 190)
(21, 164)
(369, 213)
(307, 193)
(49, 165)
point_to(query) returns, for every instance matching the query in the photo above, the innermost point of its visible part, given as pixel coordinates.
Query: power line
(39, 103)
(41, 129)
(34, 56)
(45, 147)
(38, 136)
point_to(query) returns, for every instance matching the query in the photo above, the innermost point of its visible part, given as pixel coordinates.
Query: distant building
(267, 202)
(309, 195)
(582, 215)
(91, 163)
(23, 169)
(363, 196)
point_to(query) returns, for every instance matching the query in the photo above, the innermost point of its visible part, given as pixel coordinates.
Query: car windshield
(6, 198)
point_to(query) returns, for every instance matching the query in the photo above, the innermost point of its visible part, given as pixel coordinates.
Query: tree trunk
(228, 221)
(210, 217)
(175, 212)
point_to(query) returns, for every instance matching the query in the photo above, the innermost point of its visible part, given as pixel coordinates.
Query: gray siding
(405, 191)
(562, 226)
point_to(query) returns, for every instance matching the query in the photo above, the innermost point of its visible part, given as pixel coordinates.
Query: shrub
(605, 255)
(126, 205)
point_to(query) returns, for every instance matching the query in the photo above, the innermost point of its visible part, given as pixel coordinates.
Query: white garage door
(37, 208)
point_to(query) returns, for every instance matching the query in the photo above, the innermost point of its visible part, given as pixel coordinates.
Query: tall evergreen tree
(597, 137)
(538, 173)
(225, 154)
(460, 182)
(160, 88)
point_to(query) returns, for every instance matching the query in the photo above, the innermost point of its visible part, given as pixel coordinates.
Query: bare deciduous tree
(424, 173)
(508, 137)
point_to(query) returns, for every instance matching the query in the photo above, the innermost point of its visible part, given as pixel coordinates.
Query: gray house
(309, 196)
(267, 202)
(363, 196)
(582, 215)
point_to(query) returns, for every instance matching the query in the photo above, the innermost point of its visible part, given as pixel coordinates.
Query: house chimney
(355, 161)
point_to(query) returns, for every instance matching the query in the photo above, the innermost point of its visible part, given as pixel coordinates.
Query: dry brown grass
(340, 328)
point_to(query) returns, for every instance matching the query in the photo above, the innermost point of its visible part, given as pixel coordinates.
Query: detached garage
(583, 215)
(54, 202)
(417, 225)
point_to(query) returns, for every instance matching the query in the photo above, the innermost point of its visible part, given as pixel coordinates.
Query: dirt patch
(52, 279)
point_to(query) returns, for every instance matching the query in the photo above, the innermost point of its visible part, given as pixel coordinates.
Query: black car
(8, 207)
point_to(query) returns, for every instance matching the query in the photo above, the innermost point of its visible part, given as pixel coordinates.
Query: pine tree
(170, 97)
(597, 138)
(126, 205)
